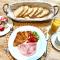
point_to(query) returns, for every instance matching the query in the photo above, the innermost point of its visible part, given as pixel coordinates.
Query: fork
(47, 38)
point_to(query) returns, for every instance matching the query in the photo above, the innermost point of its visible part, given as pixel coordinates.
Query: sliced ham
(27, 49)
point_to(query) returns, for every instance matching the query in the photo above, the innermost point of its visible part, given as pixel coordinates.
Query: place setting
(28, 41)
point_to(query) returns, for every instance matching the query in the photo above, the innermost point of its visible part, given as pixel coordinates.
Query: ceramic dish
(53, 38)
(53, 10)
(7, 26)
(40, 48)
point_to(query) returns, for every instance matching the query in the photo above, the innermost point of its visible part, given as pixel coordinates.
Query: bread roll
(40, 9)
(18, 11)
(34, 11)
(25, 10)
(30, 10)
(44, 13)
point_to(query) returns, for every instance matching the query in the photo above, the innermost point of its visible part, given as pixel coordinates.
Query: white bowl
(55, 39)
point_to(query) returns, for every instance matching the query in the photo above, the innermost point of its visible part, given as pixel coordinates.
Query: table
(52, 53)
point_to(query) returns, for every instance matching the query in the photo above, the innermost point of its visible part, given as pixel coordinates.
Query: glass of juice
(55, 25)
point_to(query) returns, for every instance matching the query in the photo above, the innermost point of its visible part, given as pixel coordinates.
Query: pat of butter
(55, 24)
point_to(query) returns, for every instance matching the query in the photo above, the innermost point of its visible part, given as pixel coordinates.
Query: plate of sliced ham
(27, 43)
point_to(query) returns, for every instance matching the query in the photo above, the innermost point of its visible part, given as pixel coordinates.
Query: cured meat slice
(27, 49)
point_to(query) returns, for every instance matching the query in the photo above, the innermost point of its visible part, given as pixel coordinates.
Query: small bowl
(55, 39)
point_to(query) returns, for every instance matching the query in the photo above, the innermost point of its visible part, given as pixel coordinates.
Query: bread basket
(9, 10)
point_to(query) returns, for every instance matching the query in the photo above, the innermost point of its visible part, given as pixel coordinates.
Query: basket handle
(5, 7)
(56, 10)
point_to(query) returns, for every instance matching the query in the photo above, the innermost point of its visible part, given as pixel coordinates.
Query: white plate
(41, 44)
(53, 38)
(10, 25)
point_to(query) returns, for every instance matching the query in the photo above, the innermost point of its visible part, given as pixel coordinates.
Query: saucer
(53, 38)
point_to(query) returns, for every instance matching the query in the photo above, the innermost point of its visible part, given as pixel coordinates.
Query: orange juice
(55, 24)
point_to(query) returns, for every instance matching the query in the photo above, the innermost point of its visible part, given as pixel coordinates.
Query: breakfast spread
(27, 41)
(31, 12)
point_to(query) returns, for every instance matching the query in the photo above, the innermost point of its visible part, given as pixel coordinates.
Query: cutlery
(47, 38)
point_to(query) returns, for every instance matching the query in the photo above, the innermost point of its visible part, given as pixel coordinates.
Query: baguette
(40, 9)
(18, 11)
(34, 11)
(44, 13)
(25, 10)
(30, 10)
